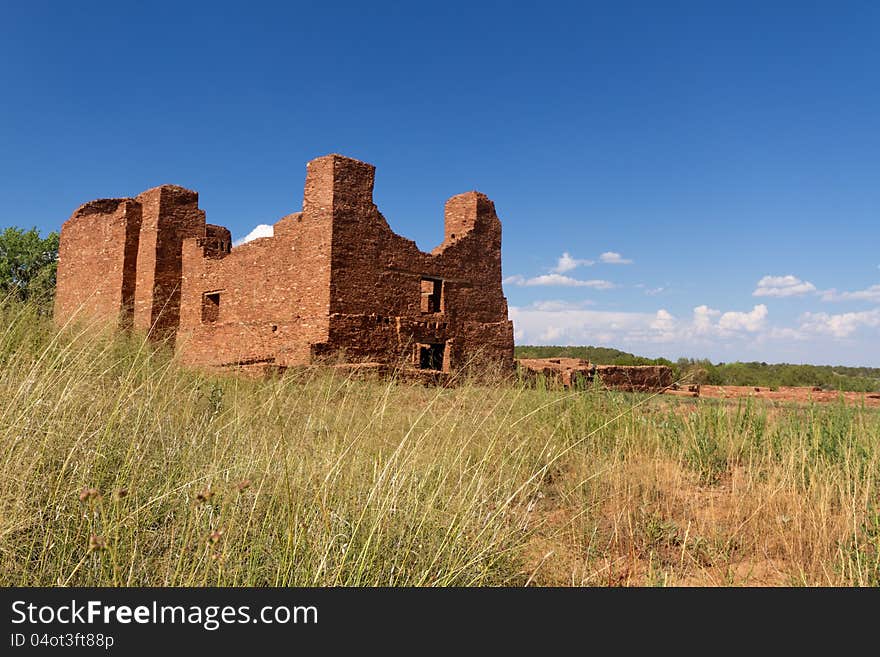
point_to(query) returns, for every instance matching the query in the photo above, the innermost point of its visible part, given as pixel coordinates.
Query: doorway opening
(431, 356)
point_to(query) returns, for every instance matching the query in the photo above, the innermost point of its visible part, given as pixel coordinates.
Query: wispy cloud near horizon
(871, 293)
(783, 286)
(559, 280)
(567, 263)
(614, 258)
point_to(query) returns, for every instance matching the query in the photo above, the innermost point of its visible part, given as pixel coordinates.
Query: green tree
(28, 264)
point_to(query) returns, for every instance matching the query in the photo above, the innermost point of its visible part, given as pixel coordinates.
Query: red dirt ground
(803, 395)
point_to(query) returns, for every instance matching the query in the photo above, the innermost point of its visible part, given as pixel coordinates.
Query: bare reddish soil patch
(654, 523)
(783, 393)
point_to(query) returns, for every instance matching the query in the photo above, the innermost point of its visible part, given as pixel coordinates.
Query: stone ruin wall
(119, 260)
(334, 278)
(572, 372)
(96, 262)
(635, 378)
(272, 294)
(333, 281)
(169, 215)
(377, 298)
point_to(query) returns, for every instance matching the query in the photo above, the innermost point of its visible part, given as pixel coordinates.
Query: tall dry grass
(118, 467)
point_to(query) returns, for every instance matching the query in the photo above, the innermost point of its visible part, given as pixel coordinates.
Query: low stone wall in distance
(575, 371)
(635, 378)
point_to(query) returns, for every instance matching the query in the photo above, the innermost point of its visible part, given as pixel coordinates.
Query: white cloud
(262, 230)
(842, 325)
(557, 279)
(663, 321)
(708, 332)
(613, 258)
(551, 334)
(786, 334)
(553, 305)
(783, 286)
(703, 318)
(752, 321)
(871, 293)
(560, 323)
(567, 263)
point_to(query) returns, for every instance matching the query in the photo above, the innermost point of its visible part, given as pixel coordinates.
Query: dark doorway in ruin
(210, 307)
(432, 293)
(431, 356)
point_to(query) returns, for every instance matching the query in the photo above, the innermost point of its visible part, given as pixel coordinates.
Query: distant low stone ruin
(569, 372)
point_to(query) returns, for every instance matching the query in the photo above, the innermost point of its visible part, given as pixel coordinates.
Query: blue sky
(726, 154)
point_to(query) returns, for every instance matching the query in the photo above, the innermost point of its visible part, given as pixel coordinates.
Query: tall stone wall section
(376, 308)
(170, 214)
(119, 260)
(96, 262)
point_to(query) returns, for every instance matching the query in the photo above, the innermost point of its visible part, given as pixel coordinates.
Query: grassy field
(120, 468)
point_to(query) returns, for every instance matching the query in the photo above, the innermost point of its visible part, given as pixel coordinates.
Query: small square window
(432, 295)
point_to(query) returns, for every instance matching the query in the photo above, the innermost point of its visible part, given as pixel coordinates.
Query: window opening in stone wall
(431, 356)
(210, 307)
(432, 291)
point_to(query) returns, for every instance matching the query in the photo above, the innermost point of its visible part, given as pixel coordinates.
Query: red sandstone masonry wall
(567, 372)
(96, 262)
(376, 275)
(334, 278)
(219, 239)
(274, 295)
(636, 378)
(170, 214)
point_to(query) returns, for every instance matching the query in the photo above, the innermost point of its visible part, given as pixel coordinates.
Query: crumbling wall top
(175, 190)
(337, 181)
(99, 206)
